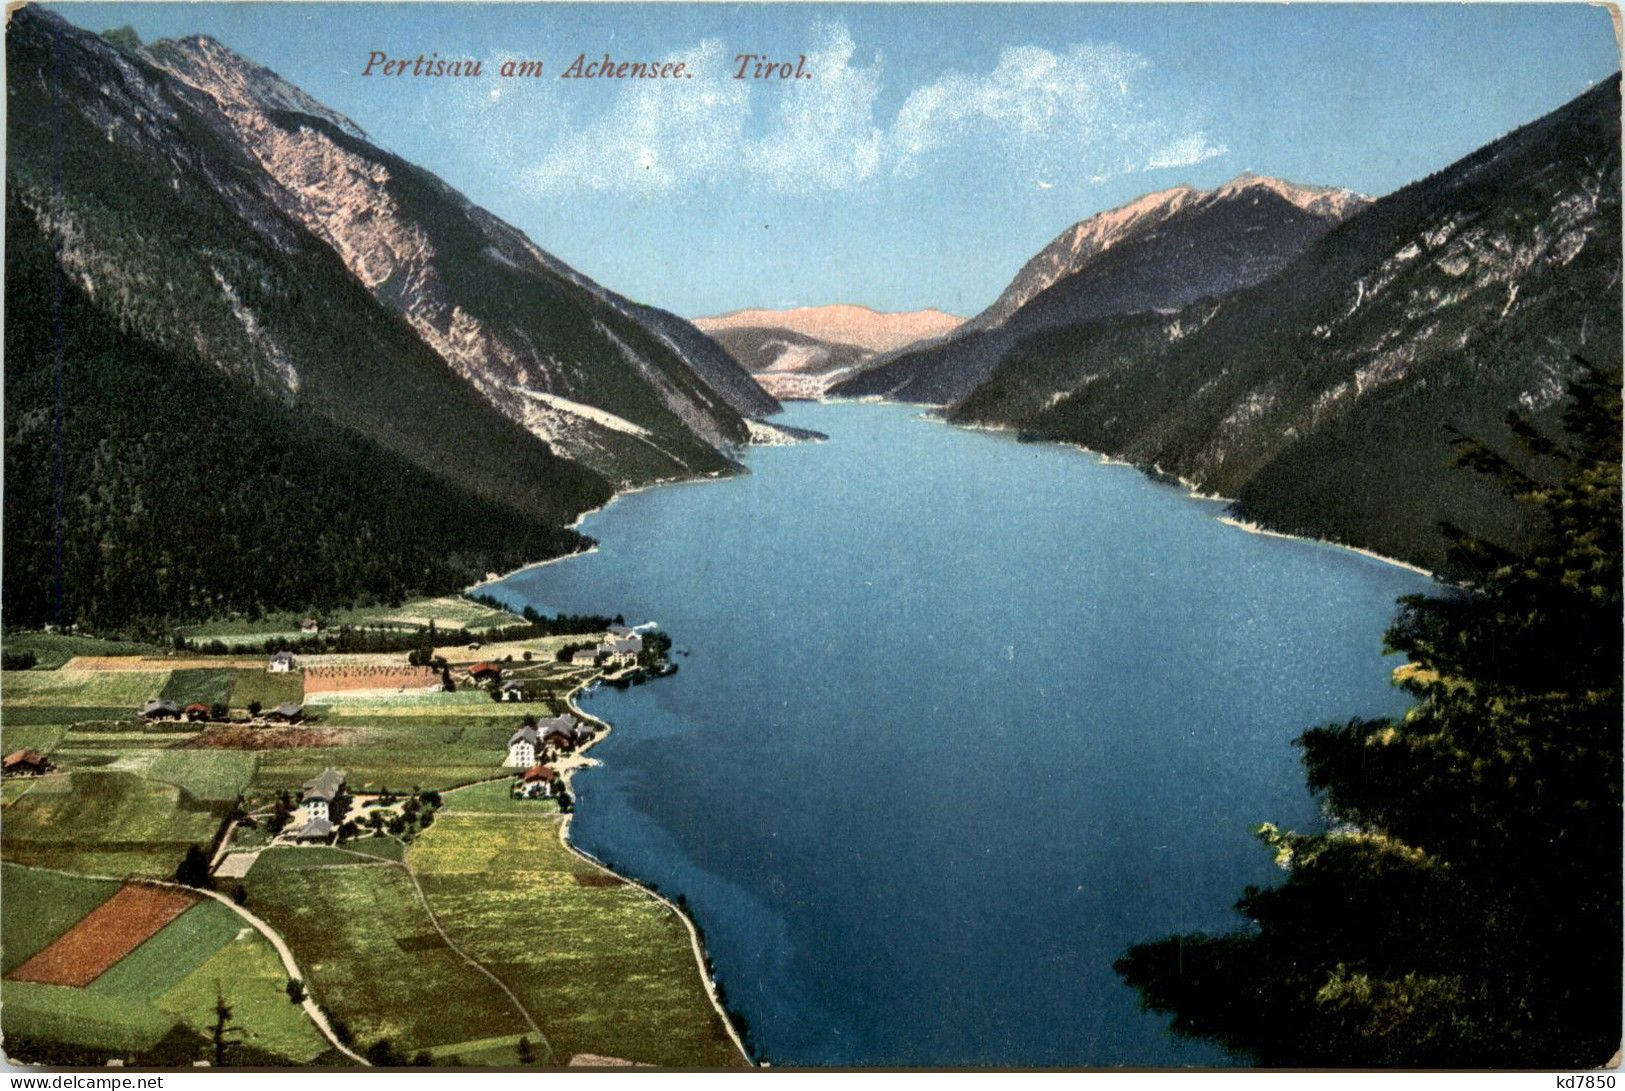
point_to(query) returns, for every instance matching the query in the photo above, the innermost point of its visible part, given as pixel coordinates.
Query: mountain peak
(1335, 203)
(843, 323)
(236, 82)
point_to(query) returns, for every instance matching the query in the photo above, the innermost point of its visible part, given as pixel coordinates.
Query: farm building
(317, 829)
(522, 748)
(286, 713)
(514, 690)
(281, 663)
(536, 782)
(26, 763)
(160, 709)
(485, 672)
(321, 791)
(584, 657)
(197, 711)
(309, 625)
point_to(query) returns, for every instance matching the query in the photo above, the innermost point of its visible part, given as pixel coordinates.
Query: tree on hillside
(1463, 909)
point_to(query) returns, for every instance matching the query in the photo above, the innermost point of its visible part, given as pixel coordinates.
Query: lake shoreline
(1192, 490)
(696, 940)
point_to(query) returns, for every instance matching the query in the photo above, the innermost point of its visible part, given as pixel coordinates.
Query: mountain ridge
(1163, 250)
(1318, 398)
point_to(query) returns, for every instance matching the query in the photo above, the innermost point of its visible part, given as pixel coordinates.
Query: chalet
(584, 657)
(485, 672)
(317, 829)
(514, 690)
(26, 763)
(159, 709)
(281, 663)
(622, 652)
(320, 792)
(522, 748)
(309, 625)
(286, 713)
(197, 711)
(536, 783)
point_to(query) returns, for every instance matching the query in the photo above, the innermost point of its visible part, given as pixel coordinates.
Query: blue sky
(934, 149)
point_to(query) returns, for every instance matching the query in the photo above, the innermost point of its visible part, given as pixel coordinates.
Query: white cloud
(1078, 113)
(1184, 152)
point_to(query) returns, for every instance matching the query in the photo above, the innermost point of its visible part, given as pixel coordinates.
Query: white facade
(521, 755)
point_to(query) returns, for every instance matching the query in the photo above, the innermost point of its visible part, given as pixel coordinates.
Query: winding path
(289, 964)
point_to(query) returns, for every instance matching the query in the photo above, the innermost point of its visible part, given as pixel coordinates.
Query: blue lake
(958, 720)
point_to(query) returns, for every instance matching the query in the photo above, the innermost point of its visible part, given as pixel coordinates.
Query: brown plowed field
(106, 934)
(339, 679)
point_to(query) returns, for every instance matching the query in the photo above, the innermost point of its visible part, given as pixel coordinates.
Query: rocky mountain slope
(219, 219)
(1321, 399)
(790, 364)
(574, 364)
(1162, 251)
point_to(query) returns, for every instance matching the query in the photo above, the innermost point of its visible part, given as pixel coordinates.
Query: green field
(39, 906)
(398, 753)
(105, 823)
(201, 685)
(41, 737)
(255, 986)
(172, 980)
(51, 650)
(207, 775)
(77, 1017)
(495, 797)
(124, 690)
(180, 947)
(425, 704)
(270, 690)
(605, 969)
(373, 958)
(451, 613)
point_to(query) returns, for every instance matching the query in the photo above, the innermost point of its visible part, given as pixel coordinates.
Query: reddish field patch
(339, 679)
(264, 738)
(133, 915)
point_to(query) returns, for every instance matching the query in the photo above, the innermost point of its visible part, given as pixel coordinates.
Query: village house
(514, 690)
(26, 763)
(622, 652)
(197, 711)
(286, 713)
(584, 657)
(522, 748)
(160, 709)
(309, 625)
(281, 663)
(320, 792)
(485, 672)
(316, 830)
(562, 734)
(536, 782)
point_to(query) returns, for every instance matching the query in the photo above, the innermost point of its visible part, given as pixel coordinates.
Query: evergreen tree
(1463, 910)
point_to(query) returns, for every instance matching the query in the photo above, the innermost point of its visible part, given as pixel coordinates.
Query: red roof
(26, 757)
(539, 772)
(197, 706)
(481, 668)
